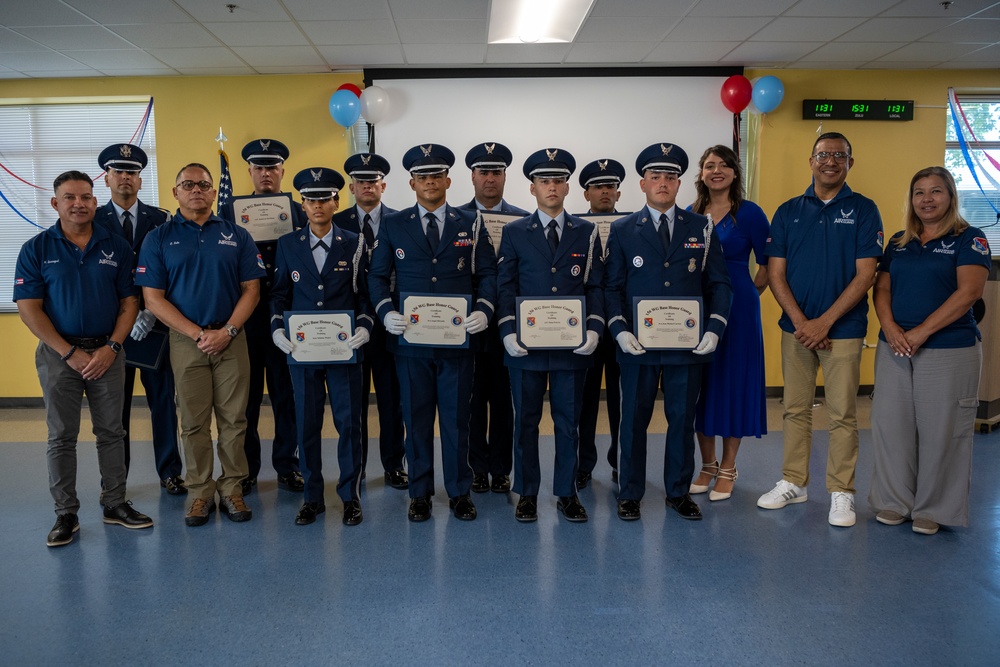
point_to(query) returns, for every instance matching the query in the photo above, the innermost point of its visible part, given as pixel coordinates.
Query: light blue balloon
(768, 93)
(345, 108)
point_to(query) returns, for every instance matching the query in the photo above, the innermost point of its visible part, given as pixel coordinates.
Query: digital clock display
(857, 109)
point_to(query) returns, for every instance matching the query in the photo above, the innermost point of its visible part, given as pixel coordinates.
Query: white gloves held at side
(144, 322)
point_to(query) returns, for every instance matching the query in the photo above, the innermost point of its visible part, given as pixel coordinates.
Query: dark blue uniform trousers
(447, 385)
(379, 367)
(605, 368)
(159, 386)
(565, 402)
(681, 385)
(310, 383)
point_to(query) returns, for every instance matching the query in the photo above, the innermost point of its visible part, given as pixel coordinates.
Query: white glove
(359, 338)
(513, 349)
(476, 322)
(708, 343)
(394, 323)
(281, 341)
(588, 348)
(627, 342)
(144, 322)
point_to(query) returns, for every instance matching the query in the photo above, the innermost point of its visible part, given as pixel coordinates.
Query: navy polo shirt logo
(227, 240)
(845, 218)
(108, 259)
(946, 248)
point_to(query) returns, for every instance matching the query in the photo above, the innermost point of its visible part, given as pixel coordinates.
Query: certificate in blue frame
(444, 315)
(561, 315)
(317, 327)
(677, 321)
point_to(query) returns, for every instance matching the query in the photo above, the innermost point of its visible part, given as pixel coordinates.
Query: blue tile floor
(743, 587)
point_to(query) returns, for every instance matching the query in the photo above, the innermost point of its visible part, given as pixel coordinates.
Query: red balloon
(737, 91)
(351, 87)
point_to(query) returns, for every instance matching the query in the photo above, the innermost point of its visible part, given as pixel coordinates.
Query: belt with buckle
(87, 343)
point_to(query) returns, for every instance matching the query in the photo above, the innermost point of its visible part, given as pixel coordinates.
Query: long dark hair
(732, 160)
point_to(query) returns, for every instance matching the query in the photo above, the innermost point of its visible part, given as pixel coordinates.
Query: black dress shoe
(571, 509)
(480, 482)
(352, 513)
(292, 482)
(628, 510)
(124, 514)
(62, 533)
(308, 513)
(247, 484)
(463, 508)
(420, 509)
(686, 507)
(174, 485)
(501, 484)
(397, 479)
(527, 509)
(582, 479)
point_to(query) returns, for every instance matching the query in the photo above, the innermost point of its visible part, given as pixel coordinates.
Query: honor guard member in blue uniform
(491, 429)
(200, 275)
(434, 248)
(73, 288)
(549, 254)
(335, 260)
(128, 217)
(367, 171)
(266, 158)
(601, 182)
(661, 251)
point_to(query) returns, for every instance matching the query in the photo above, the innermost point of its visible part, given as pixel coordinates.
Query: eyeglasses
(188, 186)
(838, 157)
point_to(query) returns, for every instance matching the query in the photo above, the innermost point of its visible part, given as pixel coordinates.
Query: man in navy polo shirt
(200, 276)
(73, 288)
(823, 250)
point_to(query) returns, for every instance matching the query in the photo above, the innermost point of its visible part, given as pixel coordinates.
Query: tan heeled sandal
(729, 474)
(711, 469)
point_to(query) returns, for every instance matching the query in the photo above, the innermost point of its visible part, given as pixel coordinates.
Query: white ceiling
(74, 38)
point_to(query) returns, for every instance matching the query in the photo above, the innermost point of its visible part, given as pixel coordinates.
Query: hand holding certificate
(320, 337)
(668, 324)
(266, 218)
(435, 320)
(551, 324)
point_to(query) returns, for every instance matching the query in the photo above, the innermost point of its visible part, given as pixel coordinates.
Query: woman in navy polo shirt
(928, 360)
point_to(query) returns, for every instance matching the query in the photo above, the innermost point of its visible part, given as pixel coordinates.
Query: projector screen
(590, 116)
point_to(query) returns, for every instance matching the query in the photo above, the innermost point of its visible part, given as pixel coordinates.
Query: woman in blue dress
(731, 405)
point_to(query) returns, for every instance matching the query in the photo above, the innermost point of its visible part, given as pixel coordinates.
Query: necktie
(127, 226)
(321, 244)
(433, 236)
(553, 236)
(368, 232)
(664, 231)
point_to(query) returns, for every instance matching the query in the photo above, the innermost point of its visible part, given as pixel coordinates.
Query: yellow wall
(189, 111)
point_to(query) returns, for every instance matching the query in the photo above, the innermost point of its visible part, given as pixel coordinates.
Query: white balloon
(374, 104)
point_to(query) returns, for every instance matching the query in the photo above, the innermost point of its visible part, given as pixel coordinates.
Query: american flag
(225, 182)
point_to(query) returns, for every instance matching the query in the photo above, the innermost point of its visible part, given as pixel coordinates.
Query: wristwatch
(115, 347)
(232, 331)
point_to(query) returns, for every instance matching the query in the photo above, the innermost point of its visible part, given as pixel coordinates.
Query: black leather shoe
(628, 510)
(247, 484)
(501, 484)
(200, 510)
(397, 479)
(308, 513)
(291, 482)
(572, 509)
(463, 508)
(420, 509)
(62, 533)
(480, 482)
(126, 515)
(174, 485)
(686, 507)
(352, 513)
(527, 509)
(235, 508)
(582, 479)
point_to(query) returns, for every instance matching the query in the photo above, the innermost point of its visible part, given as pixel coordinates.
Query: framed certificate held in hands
(668, 324)
(553, 323)
(320, 337)
(435, 320)
(266, 218)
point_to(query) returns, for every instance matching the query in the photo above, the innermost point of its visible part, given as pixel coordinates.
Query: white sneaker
(842, 509)
(783, 493)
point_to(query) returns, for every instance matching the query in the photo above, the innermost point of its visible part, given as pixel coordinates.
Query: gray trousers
(63, 390)
(923, 419)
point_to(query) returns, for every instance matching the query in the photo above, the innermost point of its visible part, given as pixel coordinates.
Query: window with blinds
(982, 111)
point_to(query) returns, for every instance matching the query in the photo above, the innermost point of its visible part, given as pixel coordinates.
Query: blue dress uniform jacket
(378, 367)
(268, 363)
(298, 285)
(158, 384)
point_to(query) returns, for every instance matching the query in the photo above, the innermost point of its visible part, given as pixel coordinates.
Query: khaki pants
(206, 383)
(842, 376)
